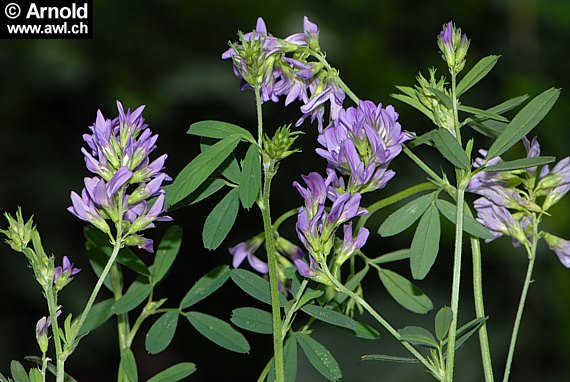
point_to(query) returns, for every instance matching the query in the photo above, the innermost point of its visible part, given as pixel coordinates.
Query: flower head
(118, 152)
(362, 144)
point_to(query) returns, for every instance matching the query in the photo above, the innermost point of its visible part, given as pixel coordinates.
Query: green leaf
(254, 285)
(206, 285)
(366, 331)
(442, 97)
(425, 244)
(330, 316)
(418, 336)
(401, 254)
(482, 113)
(488, 128)
(166, 253)
(206, 189)
(289, 360)
(230, 169)
(405, 292)
(476, 74)
(520, 164)
(221, 220)
(310, 294)
(405, 216)
(466, 331)
(415, 103)
(424, 139)
(470, 225)
(136, 294)
(128, 366)
(388, 358)
(219, 130)
(508, 105)
(219, 332)
(524, 121)
(35, 375)
(253, 319)
(161, 332)
(98, 315)
(321, 359)
(197, 171)
(175, 373)
(451, 150)
(250, 180)
(443, 320)
(18, 372)
(126, 257)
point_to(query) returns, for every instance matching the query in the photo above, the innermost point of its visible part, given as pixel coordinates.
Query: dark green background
(166, 54)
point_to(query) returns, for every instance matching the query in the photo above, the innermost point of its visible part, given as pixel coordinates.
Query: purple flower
(322, 92)
(560, 246)
(554, 183)
(350, 244)
(246, 250)
(118, 152)
(362, 144)
(43, 325)
(498, 220)
(63, 274)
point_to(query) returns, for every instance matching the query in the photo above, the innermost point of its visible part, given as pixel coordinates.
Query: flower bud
(18, 234)
(453, 46)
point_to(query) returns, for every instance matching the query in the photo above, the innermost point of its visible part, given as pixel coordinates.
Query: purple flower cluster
(361, 144)
(499, 194)
(260, 59)
(316, 227)
(118, 154)
(505, 209)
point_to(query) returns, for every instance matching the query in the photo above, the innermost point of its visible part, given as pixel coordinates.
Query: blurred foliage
(166, 54)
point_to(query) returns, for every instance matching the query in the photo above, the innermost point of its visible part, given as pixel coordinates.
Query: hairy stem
(421, 164)
(269, 172)
(116, 247)
(522, 301)
(480, 309)
(455, 284)
(341, 288)
(59, 354)
(122, 319)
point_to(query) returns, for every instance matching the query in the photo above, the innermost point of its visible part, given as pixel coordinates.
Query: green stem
(265, 371)
(273, 282)
(117, 246)
(480, 309)
(522, 301)
(285, 216)
(60, 356)
(421, 164)
(269, 172)
(392, 199)
(341, 288)
(122, 319)
(291, 312)
(136, 326)
(456, 283)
